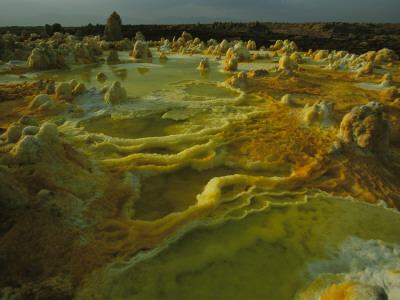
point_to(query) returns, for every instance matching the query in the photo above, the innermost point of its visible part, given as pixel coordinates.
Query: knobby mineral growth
(112, 31)
(126, 146)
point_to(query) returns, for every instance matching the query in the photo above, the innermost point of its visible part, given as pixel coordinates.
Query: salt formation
(388, 55)
(285, 63)
(50, 88)
(251, 45)
(320, 112)
(84, 54)
(186, 36)
(355, 291)
(239, 81)
(13, 49)
(204, 64)
(124, 45)
(387, 77)
(73, 83)
(296, 56)
(13, 194)
(17, 129)
(28, 121)
(285, 46)
(27, 151)
(141, 51)
(196, 47)
(112, 57)
(115, 93)
(287, 99)
(278, 45)
(359, 270)
(385, 84)
(112, 31)
(238, 51)
(368, 68)
(223, 46)
(101, 77)
(231, 64)
(390, 93)
(30, 130)
(79, 89)
(365, 127)
(13, 133)
(341, 54)
(260, 55)
(257, 73)
(43, 57)
(57, 167)
(321, 54)
(43, 104)
(139, 36)
(163, 57)
(64, 91)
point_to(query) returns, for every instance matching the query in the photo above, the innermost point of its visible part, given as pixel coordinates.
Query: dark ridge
(354, 37)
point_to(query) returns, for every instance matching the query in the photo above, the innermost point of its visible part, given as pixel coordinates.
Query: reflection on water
(204, 73)
(129, 128)
(121, 73)
(142, 71)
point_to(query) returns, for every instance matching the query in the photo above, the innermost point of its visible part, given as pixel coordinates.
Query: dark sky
(82, 12)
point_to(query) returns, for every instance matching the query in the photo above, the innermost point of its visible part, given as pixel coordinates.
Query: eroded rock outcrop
(354, 291)
(139, 36)
(285, 46)
(365, 128)
(101, 77)
(115, 93)
(238, 51)
(251, 45)
(112, 31)
(390, 93)
(238, 81)
(44, 104)
(64, 91)
(17, 129)
(13, 194)
(231, 64)
(320, 112)
(257, 73)
(56, 165)
(287, 99)
(44, 57)
(112, 56)
(187, 36)
(285, 63)
(204, 64)
(141, 51)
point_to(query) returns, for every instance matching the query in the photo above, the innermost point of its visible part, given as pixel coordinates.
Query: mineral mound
(112, 31)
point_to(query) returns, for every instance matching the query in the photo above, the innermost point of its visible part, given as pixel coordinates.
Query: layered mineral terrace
(190, 169)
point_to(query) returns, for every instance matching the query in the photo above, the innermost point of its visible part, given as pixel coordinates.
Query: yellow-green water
(138, 77)
(262, 256)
